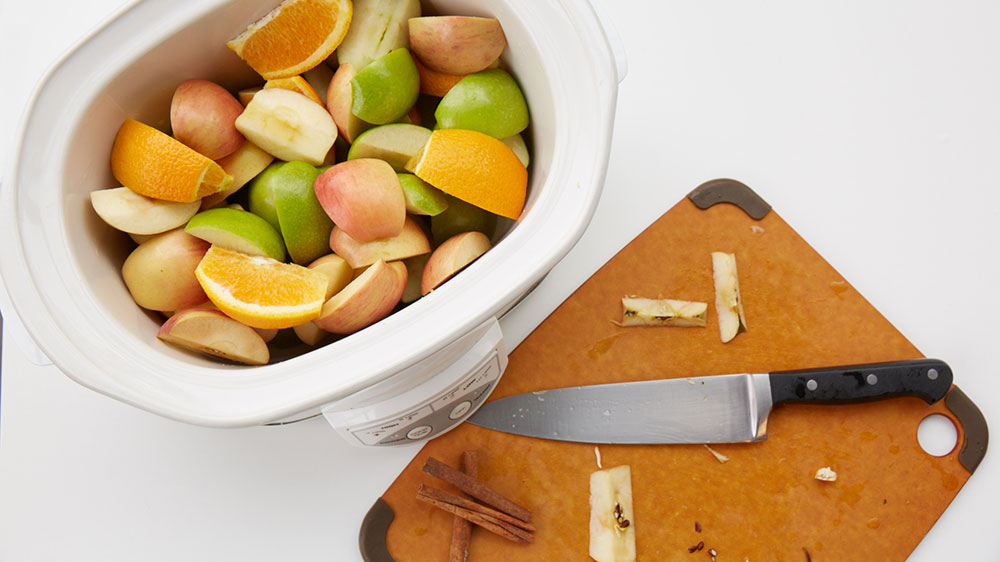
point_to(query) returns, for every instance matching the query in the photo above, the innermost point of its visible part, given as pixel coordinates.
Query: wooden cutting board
(764, 503)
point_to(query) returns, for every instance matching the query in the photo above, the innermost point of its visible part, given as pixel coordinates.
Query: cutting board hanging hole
(937, 435)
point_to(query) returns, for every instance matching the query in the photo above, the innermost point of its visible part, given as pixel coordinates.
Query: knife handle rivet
(811, 384)
(871, 378)
(932, 374)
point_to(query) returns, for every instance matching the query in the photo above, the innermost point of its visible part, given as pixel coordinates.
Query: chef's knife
(712, 409)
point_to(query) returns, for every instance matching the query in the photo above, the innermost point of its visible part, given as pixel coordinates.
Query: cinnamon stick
(461, 530)
(475, 488)
(447, 497)
(492, 524)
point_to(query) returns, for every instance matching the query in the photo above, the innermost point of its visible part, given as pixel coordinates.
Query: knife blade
(710, 409)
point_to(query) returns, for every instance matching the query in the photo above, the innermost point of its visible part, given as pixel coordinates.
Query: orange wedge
(475, 168)
(154, 164)
(294, 37)
(295, 84)
(261, 292)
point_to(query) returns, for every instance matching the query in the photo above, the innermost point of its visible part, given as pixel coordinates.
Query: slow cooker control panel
(442, 414)
(445, 391)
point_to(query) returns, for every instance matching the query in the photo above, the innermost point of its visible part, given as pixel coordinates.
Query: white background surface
(873, 128)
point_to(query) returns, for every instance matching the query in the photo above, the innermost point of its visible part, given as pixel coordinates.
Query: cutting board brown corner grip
(764, 503)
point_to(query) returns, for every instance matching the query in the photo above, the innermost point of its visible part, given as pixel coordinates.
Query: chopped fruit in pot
(352, 208)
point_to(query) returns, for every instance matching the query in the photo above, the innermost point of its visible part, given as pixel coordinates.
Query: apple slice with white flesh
(377, 27)
(244, 165)
(451, 257)
(288, 125)
(337, 270)
(130, 212)
(396, 143)
(365, 300)
(456, 44)
(612, 525)
(728, 304)
(411, 241)
(363, 198)
(210, 331)
(638, 311)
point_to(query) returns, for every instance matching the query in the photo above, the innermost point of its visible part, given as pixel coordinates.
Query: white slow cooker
(409, 377)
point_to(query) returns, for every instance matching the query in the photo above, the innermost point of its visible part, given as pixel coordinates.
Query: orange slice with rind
(259, 291)
(152, 163)
(294, 37)
(475, 168)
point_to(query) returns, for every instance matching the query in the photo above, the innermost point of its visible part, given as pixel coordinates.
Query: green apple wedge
(386, 89)
(260, 195)
(421, 197)
(520, 148)
(461, 217)
(490, 102)
(303, 223)
(237, 230)
(377, 27)
(395, 143)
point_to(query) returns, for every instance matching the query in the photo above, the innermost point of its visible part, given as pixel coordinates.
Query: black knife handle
(927, 379)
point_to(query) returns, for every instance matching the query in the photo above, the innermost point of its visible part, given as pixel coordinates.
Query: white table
(873, 128)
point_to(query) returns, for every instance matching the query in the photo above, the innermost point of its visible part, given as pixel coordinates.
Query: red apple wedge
(339, 99)
(451, 256)
(410, 242)
(364, 198)
(203, 116)
(456, 44)
(160, 272)
(366, 300)
(212, 332)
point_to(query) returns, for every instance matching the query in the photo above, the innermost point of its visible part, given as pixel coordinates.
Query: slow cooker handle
(614, 38)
